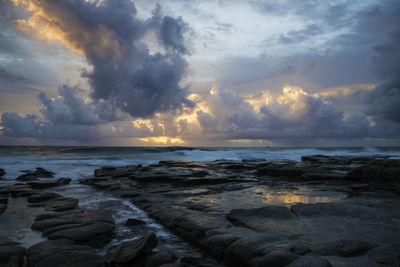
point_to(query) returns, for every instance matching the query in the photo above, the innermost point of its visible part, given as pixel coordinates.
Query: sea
(77, 162)
(80, 162)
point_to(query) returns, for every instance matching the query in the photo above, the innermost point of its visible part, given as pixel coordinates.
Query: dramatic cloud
(384, 100)
(297, 70)
(70, 108)
(291, 114)
(110, 36)
(10, 77)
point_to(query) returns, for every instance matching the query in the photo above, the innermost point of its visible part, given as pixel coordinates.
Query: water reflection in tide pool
(16, 221)
(255, 197)
(301, 195)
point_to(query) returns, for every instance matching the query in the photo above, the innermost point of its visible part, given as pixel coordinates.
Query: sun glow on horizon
(163, 140)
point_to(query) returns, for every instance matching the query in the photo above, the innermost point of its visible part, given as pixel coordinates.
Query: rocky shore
(321, 211)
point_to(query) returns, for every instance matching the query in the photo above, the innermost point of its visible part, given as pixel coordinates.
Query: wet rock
(132, 250)
(108, 168)
(198, 262)
(49, 220)
(217, 243)
(21, 190)
(275, 212)
(63, 253)
(391, 174)
(42, 197)
(342, 248)
(371, 173)
(155, 259)
(55, 203)
(64, 181)
(11, 253)
(280, 171)
(39, 173)
(92, 228)
(309, 261)
(386, 254)
(95, 235)
(243, 251)
(27, 178)
(2, 172)
(3, 201)
(376, 170)
(49, 184)
(206, 210)
(269, 218)
(323, 174)
(110, 171)
(42, 173)
(316, 158)
(134, 222)
(3, 207)
(275, 258)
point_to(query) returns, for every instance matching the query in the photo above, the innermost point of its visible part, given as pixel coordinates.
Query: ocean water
(77, 162)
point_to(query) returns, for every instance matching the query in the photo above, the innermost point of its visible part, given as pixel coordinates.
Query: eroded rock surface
(227, 208)
(63, 253)
(11, 253)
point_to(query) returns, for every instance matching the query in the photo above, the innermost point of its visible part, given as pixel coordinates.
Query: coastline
(321, 211)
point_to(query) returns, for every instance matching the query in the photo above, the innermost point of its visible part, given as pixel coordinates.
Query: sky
(200, 73)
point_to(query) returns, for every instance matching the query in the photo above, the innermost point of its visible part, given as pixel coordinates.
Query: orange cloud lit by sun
(163, 140)
(49, 25)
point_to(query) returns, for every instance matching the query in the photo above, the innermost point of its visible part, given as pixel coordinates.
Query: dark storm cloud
(125, 75)
(124, 72)
(305, 116)
(10, 77)
(70, 108)
(171, 34)
(384, 100)
(15, 125)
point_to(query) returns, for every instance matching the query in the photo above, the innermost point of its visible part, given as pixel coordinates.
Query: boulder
(3, 201)
(276, 258)
(342, 248)
(274, 212)
(386, 254)
(280, 170)
(3, 207)
(59, 204)
(11, 253)
(2, 172)
(134, 222)
(42, 173)
(243, 251)
(63, 253)
(96, 234)
(391, 174)
(43, 197)
(27, 178)
(274, 219)
(309, 261)
(39, 173)
(48, 184)
(198, 262)
(132, 250)
(155, 259)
